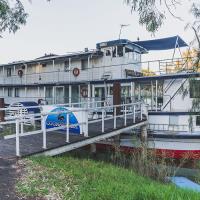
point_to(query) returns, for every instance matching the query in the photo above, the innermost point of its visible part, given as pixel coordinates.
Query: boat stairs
(99, 123)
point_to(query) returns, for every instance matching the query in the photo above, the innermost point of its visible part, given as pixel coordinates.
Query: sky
(63, 26)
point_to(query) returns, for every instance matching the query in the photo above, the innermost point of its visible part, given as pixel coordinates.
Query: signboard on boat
(59, 118)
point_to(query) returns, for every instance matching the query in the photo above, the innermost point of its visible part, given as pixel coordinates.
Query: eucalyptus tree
(12, 15)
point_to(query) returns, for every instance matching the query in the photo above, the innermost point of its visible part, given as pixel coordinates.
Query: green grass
(71, 178)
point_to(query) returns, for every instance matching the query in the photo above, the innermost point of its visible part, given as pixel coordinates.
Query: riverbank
(66, 177)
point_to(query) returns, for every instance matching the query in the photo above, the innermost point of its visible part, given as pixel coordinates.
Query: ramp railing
(128, 114)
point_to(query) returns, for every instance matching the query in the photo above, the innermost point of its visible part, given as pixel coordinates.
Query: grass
(66, 177)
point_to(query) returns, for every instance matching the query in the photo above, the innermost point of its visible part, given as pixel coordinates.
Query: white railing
(117, 71)
(168, 127)
(133, 111)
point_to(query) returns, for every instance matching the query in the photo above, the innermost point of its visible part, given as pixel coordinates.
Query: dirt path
(9, 172)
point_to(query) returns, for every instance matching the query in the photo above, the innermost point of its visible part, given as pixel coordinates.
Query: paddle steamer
(167, 86)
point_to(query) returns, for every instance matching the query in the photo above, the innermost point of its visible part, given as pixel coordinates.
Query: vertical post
(115, 113)
(44, 93)
(54, 95)
(25, 91)
(156, 95)
(134, 114)
(102, 128)
(125, 117)
(89, 95)
(141, 111)
(17, 138)
(151, 95)
(25, 73)
(70, 95)
(139, 92)
(132, 91)
(67, 128)
(86, 125)
(88, 68)
(93, 96)
(38, 91)
(44, 134)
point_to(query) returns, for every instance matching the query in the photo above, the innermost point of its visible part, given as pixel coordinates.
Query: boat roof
(163, 43)
(121, 42)
(50, 57)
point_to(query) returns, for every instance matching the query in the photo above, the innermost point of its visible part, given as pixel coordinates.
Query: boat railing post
(67, 128)
(102, 127)
(86, 124)
(17, 137)
(115, 121)
(125, 117)
(44, 134)
(134, 114)
(141, 111)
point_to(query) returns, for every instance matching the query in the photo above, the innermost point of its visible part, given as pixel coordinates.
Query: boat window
(198, 120)
(49, 92)
(194, 88)
(16, 92)
(114, 52)
(120, 51)
(9, 72)
(108, 53)
(9, 92)
(66, 67)
(84, 64)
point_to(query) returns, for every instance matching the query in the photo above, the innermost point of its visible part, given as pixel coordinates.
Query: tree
(152, 13)
(12, 15)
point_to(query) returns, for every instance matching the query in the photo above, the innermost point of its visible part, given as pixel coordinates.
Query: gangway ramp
(55, 142)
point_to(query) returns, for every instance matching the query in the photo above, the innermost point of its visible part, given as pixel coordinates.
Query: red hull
(165, 153)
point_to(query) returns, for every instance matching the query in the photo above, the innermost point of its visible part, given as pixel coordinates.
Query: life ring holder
(20, 73)
(84, 92)
(76, 71)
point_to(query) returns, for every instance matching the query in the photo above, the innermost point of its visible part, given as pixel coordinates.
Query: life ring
(20, 73)
(76, 71)
(84, 92)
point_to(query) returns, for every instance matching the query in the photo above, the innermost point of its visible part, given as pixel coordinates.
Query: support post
(70, 95)
(89, 95)
(17, 138)
(156, 95)
(115, 120)
(134, 114)
(143, 134)
(102, 128)
(152, 95)
(67, 128)
(125, 117)
(44, 134)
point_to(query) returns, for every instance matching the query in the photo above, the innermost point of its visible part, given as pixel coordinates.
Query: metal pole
(17, 137)
(115, 124)
(44, 134)
(141, 111)
(156, 95)
(151, 95)
(70, 95)
(134, 114)
(125, 120)
(67, 128)
(102, 128)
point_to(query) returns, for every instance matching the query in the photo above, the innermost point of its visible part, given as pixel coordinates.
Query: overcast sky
(63, 26)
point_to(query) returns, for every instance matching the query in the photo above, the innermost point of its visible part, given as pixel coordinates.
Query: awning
(162, 44)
